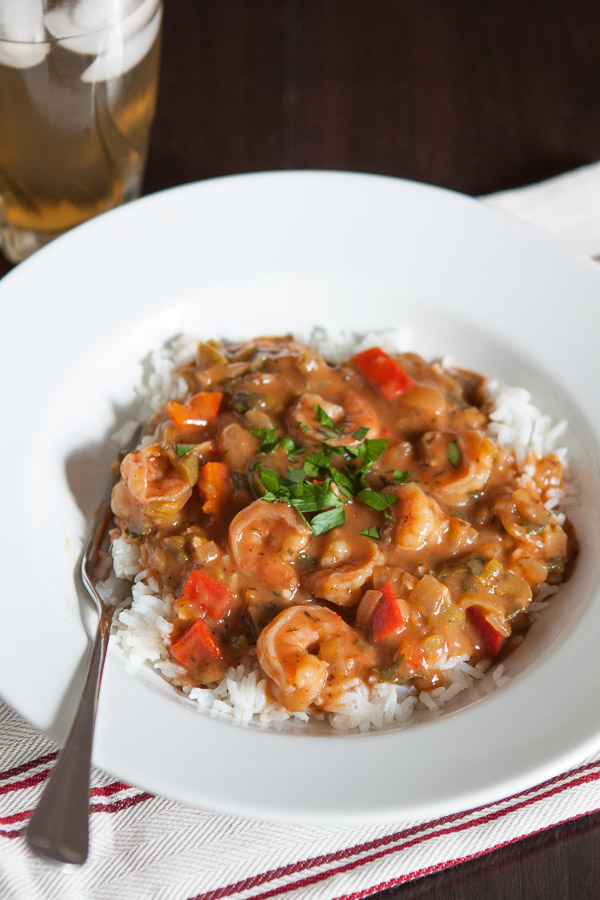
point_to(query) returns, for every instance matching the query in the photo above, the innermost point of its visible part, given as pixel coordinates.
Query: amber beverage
(78, 88)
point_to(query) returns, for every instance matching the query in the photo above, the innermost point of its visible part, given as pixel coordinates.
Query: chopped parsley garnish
(306, 497)
(182, 449)
(327, 520)
(270, 441)
(288, 444)
(322, 418)
(370, 451)
(399, 477)
(270, 480)
(376, 499)
(320, 481)
(268, 438)
(454, 454)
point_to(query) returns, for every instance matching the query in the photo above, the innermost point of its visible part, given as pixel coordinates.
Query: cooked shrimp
(311, 656)
(463, 462)
(150, 493)
(344, 569)
(418, 520)
(526, 519)
(265, 540)
(354, 414)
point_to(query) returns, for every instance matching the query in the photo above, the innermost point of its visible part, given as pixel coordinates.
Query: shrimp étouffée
(338, 525)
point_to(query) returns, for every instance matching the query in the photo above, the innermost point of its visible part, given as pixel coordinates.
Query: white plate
(273, 253)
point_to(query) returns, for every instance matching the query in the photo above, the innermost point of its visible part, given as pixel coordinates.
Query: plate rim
(117, 680)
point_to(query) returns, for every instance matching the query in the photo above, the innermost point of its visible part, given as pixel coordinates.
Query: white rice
(142, 632)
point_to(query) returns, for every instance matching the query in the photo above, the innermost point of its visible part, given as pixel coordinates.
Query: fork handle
(58, 829)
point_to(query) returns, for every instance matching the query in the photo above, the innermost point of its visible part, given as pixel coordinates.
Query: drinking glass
(78, 81)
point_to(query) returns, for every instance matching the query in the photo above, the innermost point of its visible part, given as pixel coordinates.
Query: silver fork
(58, 830)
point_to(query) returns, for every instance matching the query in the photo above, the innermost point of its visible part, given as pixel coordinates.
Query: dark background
(473, 95)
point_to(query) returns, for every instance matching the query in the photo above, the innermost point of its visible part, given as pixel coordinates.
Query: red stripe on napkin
(123, 803)
(114, 807)
(439, 867)
(33, 780)
(25, 767)
(26, 783)
(405, 839)
(110, 789)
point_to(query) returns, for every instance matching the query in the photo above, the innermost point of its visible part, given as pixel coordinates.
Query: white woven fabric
(146, 848)
(567, 206)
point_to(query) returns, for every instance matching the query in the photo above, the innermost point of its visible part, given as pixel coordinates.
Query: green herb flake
(376, 499)
(534, 528)
(454, 454)
(370, 451)
(307, 561)
(322, 418)
(360, 434)
(310, 469)
(268, 439)
(399, 477)
(311, 497)
(392, 674)
(372, 532)
(327, 520)
(270, 480)
(475, 565)
(182, 449)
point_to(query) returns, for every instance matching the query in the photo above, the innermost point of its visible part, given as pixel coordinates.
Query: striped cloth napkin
(145, 848)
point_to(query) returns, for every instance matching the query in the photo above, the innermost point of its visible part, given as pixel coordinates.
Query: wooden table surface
(472, 95)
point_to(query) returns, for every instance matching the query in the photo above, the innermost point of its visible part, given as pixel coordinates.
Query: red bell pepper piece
(194, 646)
(387, 616)
(491, 638)
(214, 484)
(384, 373)
(197, 412)
(210, 595)
(411, 653)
